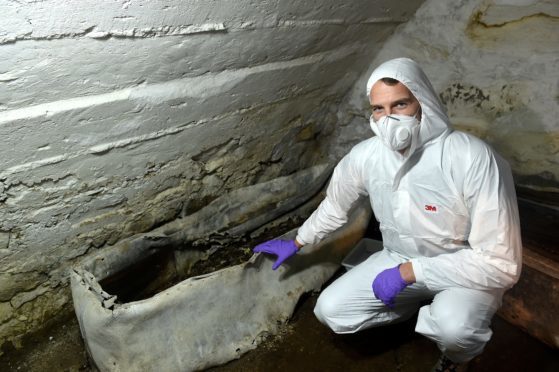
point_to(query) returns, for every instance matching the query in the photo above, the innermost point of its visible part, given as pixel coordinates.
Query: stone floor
(307, 345)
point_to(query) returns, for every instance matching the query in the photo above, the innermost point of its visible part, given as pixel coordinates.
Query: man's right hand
(283, 249)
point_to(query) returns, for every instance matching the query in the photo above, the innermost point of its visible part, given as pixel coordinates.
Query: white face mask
(396, 131)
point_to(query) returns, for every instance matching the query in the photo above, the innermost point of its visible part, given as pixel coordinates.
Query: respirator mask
(396, 131)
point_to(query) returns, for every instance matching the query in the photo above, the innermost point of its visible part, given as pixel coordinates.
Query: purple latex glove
(281, 248)
(388, 284)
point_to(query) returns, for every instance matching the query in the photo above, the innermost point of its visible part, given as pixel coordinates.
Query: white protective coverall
(448, 206)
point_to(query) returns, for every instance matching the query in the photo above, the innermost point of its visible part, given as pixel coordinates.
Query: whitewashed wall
(116, 116)
(495, 64)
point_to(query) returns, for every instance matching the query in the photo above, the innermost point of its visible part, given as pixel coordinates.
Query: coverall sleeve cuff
(305, 235)
(300, 240)
(418, 271)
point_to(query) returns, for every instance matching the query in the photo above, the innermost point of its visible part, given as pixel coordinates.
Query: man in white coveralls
(448, 215)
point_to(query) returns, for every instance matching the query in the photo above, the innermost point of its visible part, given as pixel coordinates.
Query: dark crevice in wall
(476, 20)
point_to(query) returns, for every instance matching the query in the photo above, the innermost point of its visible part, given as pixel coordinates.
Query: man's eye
(401, 105)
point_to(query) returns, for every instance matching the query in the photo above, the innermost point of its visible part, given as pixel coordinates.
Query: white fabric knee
(349, 305)
(458, 321)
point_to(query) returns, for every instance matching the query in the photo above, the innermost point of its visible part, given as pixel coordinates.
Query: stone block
(11, 284)
(6, 311)
(4, 239)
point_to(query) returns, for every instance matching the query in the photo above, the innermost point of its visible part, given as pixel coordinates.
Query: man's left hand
(388, 284)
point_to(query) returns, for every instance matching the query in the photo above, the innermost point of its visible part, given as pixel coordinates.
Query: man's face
(392, 99)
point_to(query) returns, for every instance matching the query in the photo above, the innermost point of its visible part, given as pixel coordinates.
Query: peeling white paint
(159, 31)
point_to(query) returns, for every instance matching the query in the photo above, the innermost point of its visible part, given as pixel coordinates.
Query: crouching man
(448, 215)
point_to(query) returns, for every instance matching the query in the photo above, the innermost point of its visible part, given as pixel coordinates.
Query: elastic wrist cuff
(417, 270)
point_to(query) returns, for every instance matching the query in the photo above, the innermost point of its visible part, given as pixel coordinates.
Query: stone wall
(495, 64)
(118, 116)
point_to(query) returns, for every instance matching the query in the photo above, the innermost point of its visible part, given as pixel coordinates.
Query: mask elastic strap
(417, 112)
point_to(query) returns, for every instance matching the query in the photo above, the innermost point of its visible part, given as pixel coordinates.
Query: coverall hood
(434, 120)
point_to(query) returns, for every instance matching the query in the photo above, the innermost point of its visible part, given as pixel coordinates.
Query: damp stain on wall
(496, 26)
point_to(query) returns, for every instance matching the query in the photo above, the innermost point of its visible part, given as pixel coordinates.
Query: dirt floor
(58, 348)
(306, 345)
